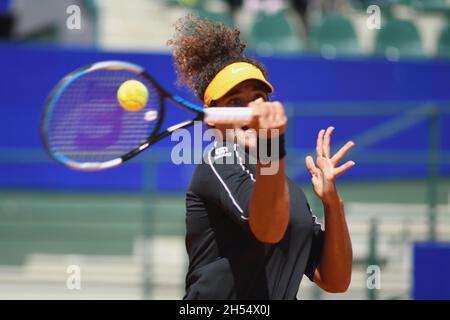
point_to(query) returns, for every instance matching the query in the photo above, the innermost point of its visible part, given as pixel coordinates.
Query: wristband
(264, 149)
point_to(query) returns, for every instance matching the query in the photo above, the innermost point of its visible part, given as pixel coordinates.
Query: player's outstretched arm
(333, 273)
(269, 205)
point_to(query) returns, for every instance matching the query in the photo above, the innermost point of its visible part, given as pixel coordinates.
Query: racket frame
(237, 114)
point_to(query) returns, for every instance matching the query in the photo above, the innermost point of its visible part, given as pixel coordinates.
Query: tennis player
(252, 235)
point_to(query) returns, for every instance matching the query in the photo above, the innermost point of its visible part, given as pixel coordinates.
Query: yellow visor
(229, 77)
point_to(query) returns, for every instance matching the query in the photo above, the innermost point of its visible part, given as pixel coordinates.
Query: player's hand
(326, 168)
(268, 115)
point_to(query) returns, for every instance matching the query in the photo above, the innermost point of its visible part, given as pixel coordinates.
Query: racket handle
(228, 115)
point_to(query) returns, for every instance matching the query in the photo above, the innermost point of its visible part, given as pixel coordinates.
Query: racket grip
(228, 115)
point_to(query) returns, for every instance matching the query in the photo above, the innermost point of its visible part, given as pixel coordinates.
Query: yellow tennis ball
(132, 95)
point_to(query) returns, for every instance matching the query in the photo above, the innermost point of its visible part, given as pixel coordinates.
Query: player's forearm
(335, 266)
(269, 205)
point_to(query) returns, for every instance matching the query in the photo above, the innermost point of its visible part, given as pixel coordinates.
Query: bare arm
(335, 268)
(269, 205)
(333, 273)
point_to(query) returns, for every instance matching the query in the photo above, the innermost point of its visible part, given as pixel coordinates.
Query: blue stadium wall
(29, 72)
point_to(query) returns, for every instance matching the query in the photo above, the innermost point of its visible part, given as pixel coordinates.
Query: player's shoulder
(219, 162)
(215, 155)
(220, 153)
(224, 157)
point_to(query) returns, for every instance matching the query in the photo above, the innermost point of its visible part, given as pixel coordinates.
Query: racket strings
(87, 123)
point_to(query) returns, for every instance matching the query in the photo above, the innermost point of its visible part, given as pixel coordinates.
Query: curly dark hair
(202, 48)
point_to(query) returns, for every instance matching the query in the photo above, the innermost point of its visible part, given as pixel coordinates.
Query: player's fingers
(319, 148)
(326, 142)
(281, 114)
(280, 119)
(277, 126)
(253, 123)
(310, 165)
(264, 114)
(255, 102)
(338, 156)
(256, 113)
(271, 117)
(341, 169)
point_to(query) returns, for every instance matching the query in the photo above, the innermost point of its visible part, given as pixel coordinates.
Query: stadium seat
(274, 34)
(384, 4)
(357, 4)
(398, 38)
(93, 10)
(431, 5)
(444, 42)
(334, 35)
(186, 3)
(221, 17)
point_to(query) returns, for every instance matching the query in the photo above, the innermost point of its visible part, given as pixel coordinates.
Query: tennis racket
(85, 128)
